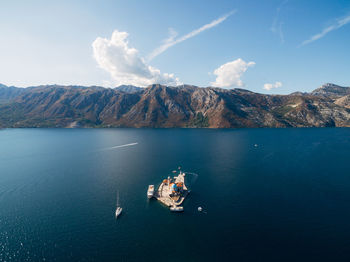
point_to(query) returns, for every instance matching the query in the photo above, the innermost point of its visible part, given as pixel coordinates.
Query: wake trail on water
(115, 147)
(194, 179)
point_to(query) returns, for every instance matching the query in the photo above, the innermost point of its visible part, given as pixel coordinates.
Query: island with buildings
(171, 192)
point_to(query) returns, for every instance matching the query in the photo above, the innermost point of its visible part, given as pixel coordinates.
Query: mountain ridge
(167, 107)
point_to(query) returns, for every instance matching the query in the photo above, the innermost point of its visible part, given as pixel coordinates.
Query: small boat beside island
(150, 191)
(177, 209)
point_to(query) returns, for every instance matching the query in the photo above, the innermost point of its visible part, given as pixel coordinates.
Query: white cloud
(124, 63)
(268, 86)
(339, 23)
(172, 40)
(229, 74)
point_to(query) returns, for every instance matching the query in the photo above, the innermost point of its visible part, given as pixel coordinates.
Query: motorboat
(150, 191)
(177, 209)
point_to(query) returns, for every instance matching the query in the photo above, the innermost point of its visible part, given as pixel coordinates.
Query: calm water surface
(286, 199)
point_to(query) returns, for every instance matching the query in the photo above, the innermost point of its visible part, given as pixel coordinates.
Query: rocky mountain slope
(331, 90)
(163, 106)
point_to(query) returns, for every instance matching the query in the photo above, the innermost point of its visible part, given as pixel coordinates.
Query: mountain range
(165, 106)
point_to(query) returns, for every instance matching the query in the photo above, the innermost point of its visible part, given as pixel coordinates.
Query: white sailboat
(119, 210)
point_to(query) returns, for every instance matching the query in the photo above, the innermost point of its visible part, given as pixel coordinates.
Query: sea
(266, 194)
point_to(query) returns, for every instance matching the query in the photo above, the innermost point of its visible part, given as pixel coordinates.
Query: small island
(172, 191)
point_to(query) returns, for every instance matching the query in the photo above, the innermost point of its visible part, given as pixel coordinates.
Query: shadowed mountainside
(163, 106)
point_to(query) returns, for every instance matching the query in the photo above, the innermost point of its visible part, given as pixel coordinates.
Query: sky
(274, 47)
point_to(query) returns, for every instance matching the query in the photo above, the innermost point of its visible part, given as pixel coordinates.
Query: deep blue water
(288, 199)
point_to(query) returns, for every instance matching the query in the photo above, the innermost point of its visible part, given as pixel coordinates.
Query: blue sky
(292, 45)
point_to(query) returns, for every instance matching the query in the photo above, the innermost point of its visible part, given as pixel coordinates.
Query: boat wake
(194, 177)
(115, 147)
